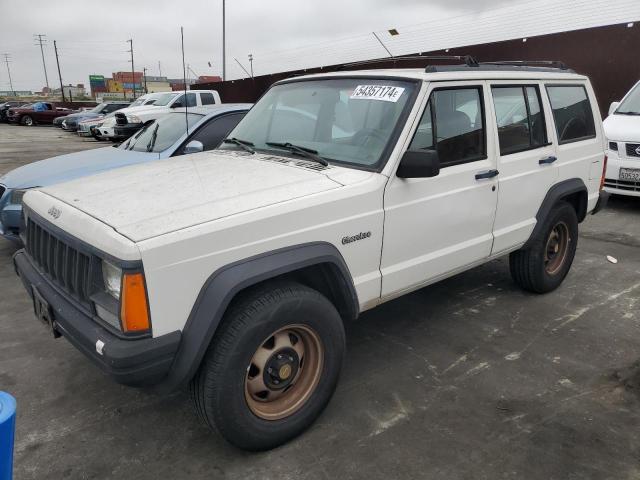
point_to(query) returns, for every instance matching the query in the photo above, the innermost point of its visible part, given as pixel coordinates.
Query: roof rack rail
(529, 63)
(468, 60)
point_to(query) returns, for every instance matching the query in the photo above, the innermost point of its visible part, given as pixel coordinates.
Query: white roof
(515, 20)
(471, 74)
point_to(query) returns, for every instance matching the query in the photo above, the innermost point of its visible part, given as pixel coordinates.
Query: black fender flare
(224, 284)
(556, 193)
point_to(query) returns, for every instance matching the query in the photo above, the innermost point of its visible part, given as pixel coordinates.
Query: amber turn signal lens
(134, 313)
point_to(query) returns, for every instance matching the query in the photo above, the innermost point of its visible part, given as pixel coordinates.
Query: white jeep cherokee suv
(232, 271)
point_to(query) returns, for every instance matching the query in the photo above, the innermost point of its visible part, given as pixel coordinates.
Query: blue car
(163, 138)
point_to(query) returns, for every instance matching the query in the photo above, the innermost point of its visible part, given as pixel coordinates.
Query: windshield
(347, 121)
(139, 102)
(98, 108)
(169, 129)
(631, 104)
(164, 99)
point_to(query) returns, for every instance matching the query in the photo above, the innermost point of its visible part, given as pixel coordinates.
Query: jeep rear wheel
(272, 366)
(543, 266)
(27, 121)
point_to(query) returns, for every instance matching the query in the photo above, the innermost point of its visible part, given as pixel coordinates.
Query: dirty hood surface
(144, 201)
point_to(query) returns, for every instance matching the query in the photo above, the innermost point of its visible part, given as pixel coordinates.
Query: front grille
(633, 149)
(2, 190)
(613, 146)
(65, 266)
(622, 185)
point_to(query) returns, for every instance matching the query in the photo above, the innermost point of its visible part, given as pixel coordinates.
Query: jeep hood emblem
(55, 212)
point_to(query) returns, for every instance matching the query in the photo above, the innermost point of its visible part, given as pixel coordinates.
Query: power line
(7, 59)
(41, 41)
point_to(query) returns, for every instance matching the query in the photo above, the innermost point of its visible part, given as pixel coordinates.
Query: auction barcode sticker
(377, 92)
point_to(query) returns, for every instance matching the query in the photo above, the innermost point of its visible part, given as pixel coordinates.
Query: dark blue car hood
(74, 165)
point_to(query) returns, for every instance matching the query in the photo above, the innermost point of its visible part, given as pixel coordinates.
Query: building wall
(605, 54)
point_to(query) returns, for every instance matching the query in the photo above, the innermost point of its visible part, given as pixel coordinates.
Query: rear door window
(519, 118)
(572, 113)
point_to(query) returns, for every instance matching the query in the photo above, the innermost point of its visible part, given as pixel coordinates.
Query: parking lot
(468, 379)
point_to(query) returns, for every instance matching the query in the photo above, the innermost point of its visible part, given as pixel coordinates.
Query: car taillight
(604, 173)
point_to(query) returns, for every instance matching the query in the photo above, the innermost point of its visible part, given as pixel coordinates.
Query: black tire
(532, 268)
(219, 389)
(27, 120)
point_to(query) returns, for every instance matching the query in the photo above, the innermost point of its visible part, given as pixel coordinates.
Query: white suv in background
(622, 129)
(232, 271)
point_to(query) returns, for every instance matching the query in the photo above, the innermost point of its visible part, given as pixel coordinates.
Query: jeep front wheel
(543, 266)
(272, 367)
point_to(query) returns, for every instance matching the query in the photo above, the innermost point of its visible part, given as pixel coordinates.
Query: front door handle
(486, 175)
(548, 160)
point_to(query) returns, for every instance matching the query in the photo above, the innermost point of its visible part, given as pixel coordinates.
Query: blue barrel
(7, 431)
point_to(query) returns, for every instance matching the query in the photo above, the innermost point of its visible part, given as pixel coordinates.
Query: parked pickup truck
(39, 112)
(129, 120)
(233, 271)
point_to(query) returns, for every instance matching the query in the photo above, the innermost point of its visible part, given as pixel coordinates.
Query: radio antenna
(184, 79)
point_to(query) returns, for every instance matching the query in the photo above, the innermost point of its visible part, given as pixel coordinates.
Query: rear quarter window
(572, 113)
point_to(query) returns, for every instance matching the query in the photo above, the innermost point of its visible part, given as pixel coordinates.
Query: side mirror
(423, 164)
(194, 146)
(177, 105)
(614, 106)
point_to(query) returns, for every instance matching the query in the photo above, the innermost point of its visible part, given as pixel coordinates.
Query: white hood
(145, 201)
(623, 128)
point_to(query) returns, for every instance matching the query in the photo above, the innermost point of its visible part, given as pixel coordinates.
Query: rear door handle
(548, 160)
(486, 175)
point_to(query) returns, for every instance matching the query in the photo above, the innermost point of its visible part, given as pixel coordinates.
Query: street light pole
(133, 75)
(251, 63)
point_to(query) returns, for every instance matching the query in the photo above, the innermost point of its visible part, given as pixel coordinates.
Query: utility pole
(38, 38)
(159, 69)
(7, 58)
(224, 42)
(144, 77)
(133, 77)
(251, 63)
(55, 47)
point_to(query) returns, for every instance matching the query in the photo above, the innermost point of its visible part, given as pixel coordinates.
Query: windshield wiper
(152, 142)
(304, 151)
(243, 144)
(628, 113)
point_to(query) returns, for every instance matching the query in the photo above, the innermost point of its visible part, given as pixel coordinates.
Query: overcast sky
(92, 35)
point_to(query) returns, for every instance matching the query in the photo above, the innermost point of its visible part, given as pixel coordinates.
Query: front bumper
(134, 362)
(10, 215)
(612, 182)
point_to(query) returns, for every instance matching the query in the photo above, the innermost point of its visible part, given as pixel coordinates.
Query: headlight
(133, 119)
(16, 196)
(112, 277)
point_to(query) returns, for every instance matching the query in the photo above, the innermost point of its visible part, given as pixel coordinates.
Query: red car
(39, 112)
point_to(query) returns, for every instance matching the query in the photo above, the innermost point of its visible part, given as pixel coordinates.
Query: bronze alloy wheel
(284, 372)
(556, 249)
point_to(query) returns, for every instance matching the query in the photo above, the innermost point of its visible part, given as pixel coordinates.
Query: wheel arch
(572, 191)
(318, 265)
